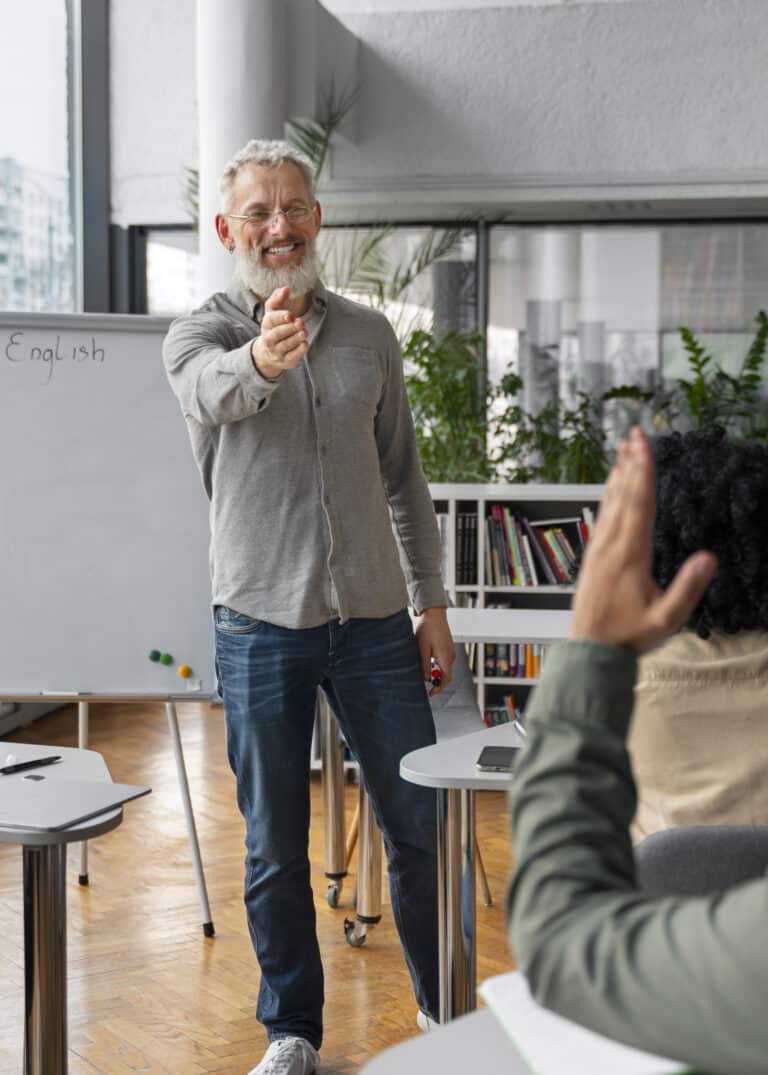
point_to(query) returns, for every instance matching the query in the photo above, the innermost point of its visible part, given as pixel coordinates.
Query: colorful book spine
(514, 552)
(547, 572)
(554, 558)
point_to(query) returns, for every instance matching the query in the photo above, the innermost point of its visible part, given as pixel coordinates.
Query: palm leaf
(312, 137)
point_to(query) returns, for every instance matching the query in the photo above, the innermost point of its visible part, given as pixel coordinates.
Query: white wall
(502, 106)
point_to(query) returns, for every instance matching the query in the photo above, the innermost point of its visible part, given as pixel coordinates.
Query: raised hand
(283, 341)
(617, 600)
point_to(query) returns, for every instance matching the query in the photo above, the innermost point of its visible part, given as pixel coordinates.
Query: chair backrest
(455, 709)
(695, 860)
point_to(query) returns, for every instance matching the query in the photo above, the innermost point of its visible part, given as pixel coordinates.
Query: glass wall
(37, 264)
(419, 276)
(591, 308)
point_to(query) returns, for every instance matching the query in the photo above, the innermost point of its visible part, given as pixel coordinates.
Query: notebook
(552, 1045)
(53, 804)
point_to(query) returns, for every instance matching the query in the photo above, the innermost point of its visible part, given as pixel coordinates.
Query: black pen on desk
(20, 766)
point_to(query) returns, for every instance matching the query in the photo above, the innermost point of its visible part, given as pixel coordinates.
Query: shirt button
(317, 401)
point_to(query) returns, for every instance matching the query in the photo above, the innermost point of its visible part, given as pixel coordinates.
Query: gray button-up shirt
(319, 507)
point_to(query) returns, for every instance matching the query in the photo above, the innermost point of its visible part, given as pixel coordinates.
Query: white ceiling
(368, 7)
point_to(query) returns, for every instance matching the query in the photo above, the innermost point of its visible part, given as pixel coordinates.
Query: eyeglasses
(297, 214)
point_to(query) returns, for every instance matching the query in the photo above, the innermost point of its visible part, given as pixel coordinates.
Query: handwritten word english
(17, 350)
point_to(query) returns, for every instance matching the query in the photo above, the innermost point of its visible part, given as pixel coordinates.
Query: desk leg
(332, 775)
(456, 901)
(45, 960)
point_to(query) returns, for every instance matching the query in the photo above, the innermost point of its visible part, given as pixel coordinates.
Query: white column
(619, 317)
(242, 78)
(551, 284)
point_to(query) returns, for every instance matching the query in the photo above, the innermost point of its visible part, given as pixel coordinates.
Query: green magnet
(165, 658)
(154, 655)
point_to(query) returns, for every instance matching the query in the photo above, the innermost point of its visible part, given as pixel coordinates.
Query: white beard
(262, 281)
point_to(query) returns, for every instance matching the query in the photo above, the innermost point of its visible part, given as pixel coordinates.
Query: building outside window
(37, 262)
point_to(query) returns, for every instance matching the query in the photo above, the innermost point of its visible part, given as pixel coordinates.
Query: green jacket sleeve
(682, 977)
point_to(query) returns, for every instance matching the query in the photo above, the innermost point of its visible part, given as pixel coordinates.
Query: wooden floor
(147, 992)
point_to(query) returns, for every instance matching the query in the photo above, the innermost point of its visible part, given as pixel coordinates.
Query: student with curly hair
(682, 977)
(699, 736)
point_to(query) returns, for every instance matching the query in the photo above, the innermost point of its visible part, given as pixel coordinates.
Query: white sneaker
(425, 1022)
(288, 1056)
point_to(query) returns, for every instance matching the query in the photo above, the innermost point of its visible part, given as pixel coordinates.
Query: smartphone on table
(497, 759)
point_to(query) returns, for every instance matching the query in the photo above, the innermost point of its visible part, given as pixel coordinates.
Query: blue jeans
(371, 673)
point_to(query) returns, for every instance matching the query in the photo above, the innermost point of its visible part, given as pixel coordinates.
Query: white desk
(475, 1042)
(449, 767)
(45, 922)
(509, 624)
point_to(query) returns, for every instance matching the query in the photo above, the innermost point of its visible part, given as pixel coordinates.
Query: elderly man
(295, 403)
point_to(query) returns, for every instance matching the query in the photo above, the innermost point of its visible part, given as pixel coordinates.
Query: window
(376, 265)
(589, 308)
(171, 270)
(37, 264)
(421, 277)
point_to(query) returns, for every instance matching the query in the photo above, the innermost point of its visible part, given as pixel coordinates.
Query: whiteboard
(103, 517)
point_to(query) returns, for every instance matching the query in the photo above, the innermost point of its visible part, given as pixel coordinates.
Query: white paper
(552, 1045)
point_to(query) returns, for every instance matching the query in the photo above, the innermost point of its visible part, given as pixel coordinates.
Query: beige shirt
(699, 735)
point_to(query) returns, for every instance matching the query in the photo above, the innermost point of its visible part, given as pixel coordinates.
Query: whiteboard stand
(194, 846)
(181, 771)
(82, 742)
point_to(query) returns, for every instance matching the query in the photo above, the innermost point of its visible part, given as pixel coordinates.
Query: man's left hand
(435, 643)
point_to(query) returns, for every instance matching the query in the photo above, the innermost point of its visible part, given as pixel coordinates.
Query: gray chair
(699, 859)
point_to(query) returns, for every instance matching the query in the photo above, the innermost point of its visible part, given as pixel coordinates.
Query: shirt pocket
(356, 377)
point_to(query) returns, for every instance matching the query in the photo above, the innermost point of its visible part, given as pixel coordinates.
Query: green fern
(714, 395)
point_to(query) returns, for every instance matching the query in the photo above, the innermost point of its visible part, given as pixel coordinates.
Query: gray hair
(266, 153)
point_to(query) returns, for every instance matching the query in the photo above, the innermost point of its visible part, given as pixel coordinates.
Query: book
(555, 555)
(541, 556)
(471, 571)
(489, 663)
(530, 561)
(502, 658)
(505, 553)
(553, 1045)
(489, 577)
(514, 551)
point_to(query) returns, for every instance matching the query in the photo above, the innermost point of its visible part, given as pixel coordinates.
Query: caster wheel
(355, 935)
(332, 895)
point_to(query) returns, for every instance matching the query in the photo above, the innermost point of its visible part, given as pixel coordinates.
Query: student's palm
(617, 600)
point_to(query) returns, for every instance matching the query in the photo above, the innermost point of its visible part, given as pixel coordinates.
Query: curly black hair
(713, 494)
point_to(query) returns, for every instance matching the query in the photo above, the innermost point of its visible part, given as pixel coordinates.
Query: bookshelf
(473, 548)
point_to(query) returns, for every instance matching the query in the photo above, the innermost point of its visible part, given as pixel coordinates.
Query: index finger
(641, 494)
(277, 299)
